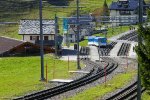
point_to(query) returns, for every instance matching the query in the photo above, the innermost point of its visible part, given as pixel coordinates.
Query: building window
(45, 37)
(72, 26)
(38, 38)
(30, 37)
(122, 12)
(70, 35)
(34, 38)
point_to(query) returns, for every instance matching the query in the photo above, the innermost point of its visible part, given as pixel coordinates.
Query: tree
(143, 52)
(105, 9)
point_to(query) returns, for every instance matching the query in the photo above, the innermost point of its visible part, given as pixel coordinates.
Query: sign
(65, 25)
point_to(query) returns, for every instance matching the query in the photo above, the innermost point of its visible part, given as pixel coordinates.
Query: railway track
(123, 51)
(95, 74)
(134, 38)
(84, 50)
(128, 93)
(104, 51)
(130, 37)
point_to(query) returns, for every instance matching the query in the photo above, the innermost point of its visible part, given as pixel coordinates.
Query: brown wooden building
(12, 47)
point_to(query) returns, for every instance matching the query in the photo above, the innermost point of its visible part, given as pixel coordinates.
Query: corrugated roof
(132, 5)
(33, 26)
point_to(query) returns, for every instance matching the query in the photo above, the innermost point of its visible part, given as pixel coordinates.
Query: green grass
(96, 92)
(48, 13)
(146, 95)
(21, 75)
(84, 42)
(114, 31)
(10, 31)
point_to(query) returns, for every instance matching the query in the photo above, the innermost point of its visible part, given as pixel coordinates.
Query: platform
(94, 53)
(84, 72)
(61, 80)
(115, 50)
(132, 53)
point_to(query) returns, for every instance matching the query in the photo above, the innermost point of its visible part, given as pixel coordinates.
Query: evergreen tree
(105, 9)
(143, 52)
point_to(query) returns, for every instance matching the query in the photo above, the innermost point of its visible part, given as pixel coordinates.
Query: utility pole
(41, 41)
(78, 56)
(56, 40)
(139, 43)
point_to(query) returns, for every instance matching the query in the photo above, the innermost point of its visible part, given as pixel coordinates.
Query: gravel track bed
(119, 69)
(75, 76)
(120, 89)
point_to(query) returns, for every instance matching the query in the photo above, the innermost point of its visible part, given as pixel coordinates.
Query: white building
(30, 31)
(124, 12)
(86, 27)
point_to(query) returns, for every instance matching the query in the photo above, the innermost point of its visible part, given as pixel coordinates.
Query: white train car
(97, 41)
(91, 40)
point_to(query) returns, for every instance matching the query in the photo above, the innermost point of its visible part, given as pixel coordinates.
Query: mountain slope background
(14, 10)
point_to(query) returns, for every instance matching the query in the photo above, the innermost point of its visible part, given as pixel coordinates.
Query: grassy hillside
(14, 10)
(21, 75)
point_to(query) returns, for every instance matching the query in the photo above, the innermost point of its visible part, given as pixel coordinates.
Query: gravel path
(120, 69)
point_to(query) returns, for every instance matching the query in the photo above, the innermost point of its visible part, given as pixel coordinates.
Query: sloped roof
(132, 5)
(33, 26)
(8, 43)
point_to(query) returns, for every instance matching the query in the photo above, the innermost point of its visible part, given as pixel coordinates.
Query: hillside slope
(14, 10)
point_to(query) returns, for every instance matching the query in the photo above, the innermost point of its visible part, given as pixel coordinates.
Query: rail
(128, 93)
(95, 74)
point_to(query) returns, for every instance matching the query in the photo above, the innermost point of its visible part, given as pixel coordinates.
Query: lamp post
(78, 56)
(139, 43)
(41, 41)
